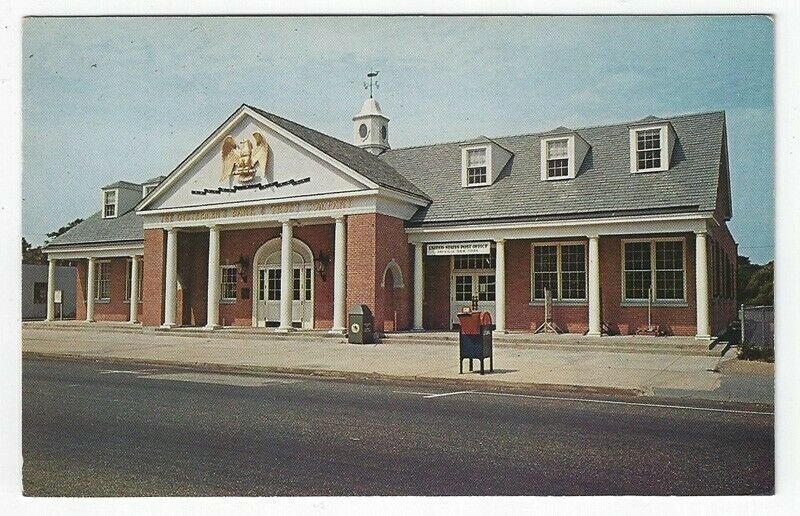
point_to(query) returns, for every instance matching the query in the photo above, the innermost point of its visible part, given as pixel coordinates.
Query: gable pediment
(259, 162)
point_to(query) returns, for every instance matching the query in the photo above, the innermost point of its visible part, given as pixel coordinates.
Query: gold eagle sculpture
(244, 160)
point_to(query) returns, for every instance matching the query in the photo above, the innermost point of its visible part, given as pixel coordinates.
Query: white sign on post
(459, 248)
(57, 296)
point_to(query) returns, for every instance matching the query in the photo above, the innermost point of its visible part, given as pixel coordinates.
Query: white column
(134, 297)
(90, 285)
(171, 279)
(51, 289)
(287, 279)
(701, 277)
(212, 309)
(594, 286)
(419, 285)
(339, 277)
(500, 287)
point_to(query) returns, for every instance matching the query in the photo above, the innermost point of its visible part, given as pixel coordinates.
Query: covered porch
(229, 274)
(609, 292)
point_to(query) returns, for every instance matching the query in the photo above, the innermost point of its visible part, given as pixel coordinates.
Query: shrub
(747, 352)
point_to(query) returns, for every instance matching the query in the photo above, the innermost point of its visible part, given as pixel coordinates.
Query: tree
(32, 254)
(756, 284)
(62, 230)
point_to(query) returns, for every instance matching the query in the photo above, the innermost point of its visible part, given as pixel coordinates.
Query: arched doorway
(267, 284)
(392, 284)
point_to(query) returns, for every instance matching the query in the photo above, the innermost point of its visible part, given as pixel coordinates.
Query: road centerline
(628, 403)
(447, 394)
(126, 371)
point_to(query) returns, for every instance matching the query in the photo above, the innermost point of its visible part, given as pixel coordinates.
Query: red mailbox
(475, 339)
(470, 323)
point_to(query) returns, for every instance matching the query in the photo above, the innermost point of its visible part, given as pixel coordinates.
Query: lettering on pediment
(256, 211)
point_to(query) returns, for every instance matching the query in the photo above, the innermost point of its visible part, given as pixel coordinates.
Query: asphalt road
(93, 429)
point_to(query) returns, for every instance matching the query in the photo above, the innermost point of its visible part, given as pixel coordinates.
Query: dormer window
(557, 159)
(562, 155)
(651, 146)
(482, 160)
(146, 189)
(109, 204)
(476, 167)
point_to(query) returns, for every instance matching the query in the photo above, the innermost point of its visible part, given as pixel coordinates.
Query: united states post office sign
(459, 248)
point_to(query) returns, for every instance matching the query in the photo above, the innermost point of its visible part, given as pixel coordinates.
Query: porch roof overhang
(95, 250)
(695, 222)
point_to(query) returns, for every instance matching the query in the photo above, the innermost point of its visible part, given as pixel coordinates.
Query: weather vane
(372, 75)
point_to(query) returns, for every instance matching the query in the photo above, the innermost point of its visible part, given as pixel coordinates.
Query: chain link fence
(758, 326)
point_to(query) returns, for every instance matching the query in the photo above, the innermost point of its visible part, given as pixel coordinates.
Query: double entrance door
(269, 296)
(464, 285)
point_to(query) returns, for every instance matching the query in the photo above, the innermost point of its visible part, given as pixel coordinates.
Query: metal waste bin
(361, 325)
(475, 339)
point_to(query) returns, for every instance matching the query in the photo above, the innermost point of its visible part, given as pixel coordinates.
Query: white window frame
(570, 139)
(127, 298)
(665, 145)
(557, 295)
(465, 165)
(115, 191)
(663, 302)
(222, 282)
(147, 189)
(97, 279)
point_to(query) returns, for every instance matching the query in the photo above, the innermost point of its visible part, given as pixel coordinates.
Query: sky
(107, 99)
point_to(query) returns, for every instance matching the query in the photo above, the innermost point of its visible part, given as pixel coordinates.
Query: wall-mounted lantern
(242, 265)
(321, 264)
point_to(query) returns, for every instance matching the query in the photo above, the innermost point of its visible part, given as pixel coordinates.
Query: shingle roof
(154, 180)
(363, 162)
(123, 184)
(125, 228)
(604, 183)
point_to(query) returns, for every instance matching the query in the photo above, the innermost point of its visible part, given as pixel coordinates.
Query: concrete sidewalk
(675, 375)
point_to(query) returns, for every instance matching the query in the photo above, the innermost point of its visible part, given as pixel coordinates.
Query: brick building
(611, 222)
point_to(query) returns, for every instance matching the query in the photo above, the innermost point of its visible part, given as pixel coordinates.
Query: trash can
(361, 325)
(475, 339)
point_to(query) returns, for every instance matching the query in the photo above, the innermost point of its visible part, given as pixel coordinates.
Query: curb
(199, 333)
(252, 370)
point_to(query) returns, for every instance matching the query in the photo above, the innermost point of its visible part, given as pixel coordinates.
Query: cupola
(371, 128)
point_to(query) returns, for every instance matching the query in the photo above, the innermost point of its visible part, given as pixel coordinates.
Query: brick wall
(320, 238)
(361, 260)
(245, 242)
(392, 244)
(80, 289)
(723, 310)
(373, 241)
(192, 279)
(153, 290)
(521, 315)
(676, 320)
(436, 303)
(116, 309)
